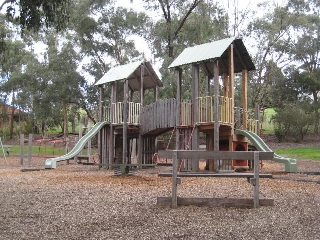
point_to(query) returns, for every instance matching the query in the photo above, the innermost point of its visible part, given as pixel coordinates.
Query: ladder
(186, 144)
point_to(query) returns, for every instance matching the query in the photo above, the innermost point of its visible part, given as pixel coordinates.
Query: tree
(175, 15)
(205, 23)
(305, 50)
(104, 34)
(11, 69)
(271, 35)
(36, 14)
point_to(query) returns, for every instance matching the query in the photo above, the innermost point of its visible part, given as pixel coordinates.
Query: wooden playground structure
(129, 132)
(135, 128)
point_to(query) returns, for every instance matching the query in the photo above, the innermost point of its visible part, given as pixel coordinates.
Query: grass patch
(49, 150)
(300, 153)
(267, 125)
(36, 150)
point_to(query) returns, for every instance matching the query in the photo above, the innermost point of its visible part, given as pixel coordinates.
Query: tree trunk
(12, 115)
(65, 121)
(316, 112)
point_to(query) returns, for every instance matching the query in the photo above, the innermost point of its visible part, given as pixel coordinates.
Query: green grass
(267, 125)
(49, 150)
(302, 153)
(36, 150)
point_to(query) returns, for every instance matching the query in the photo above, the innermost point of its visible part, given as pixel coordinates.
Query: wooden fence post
(30, 149)
(21, 148)
(174, 179)
(256, 177)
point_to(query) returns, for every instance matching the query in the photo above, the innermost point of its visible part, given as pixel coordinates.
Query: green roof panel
(119, 73)
(202, 52)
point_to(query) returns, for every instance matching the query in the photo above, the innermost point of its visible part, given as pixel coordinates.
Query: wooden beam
(223, 155)
(214, 202)
(215, 175)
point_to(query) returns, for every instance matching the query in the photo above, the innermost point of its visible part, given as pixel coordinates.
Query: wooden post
(207, 86)
(101, 117)
(225, 85)
(231, 81)
(178, 97)
(140, 140)
(125, 123)
(30, 149)
(111, 133)
(174, 179)
(195, 95)
(256, 177)
(141, 85)
(89, 142)
(257, 117)
(245, 97)
(21, 148)
(216, 111)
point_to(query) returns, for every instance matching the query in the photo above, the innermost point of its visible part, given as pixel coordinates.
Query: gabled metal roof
(132, 72)
(205, 53)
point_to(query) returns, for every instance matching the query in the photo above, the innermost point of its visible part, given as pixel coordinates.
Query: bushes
(291, 121)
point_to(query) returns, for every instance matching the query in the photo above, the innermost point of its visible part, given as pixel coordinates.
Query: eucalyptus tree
(105, 34)
(270, 35)
(66, 85)
(175, 15)
(37, 14)
(305, 50)
(12, 65)
(207, 22)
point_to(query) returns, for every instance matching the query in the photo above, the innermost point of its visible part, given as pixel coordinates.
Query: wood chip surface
(82, 202)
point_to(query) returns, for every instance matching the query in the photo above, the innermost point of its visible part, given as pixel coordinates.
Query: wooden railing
(116, 115)
(245, 121)
(159, 114)
(206, 110)
(253, 126)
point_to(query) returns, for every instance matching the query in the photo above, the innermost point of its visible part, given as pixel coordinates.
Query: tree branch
(193, 6)
(6, 2)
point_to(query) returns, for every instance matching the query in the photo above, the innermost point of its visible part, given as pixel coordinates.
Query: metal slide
(52, 162)
(260, 145)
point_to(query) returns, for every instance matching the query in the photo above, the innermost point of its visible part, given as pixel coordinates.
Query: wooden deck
(161, 116)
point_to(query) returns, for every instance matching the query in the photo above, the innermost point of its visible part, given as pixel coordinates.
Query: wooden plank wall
(160, 114)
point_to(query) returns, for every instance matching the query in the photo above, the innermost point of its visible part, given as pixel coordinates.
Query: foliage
(291, 121)
(36, 14)
(207, 22)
